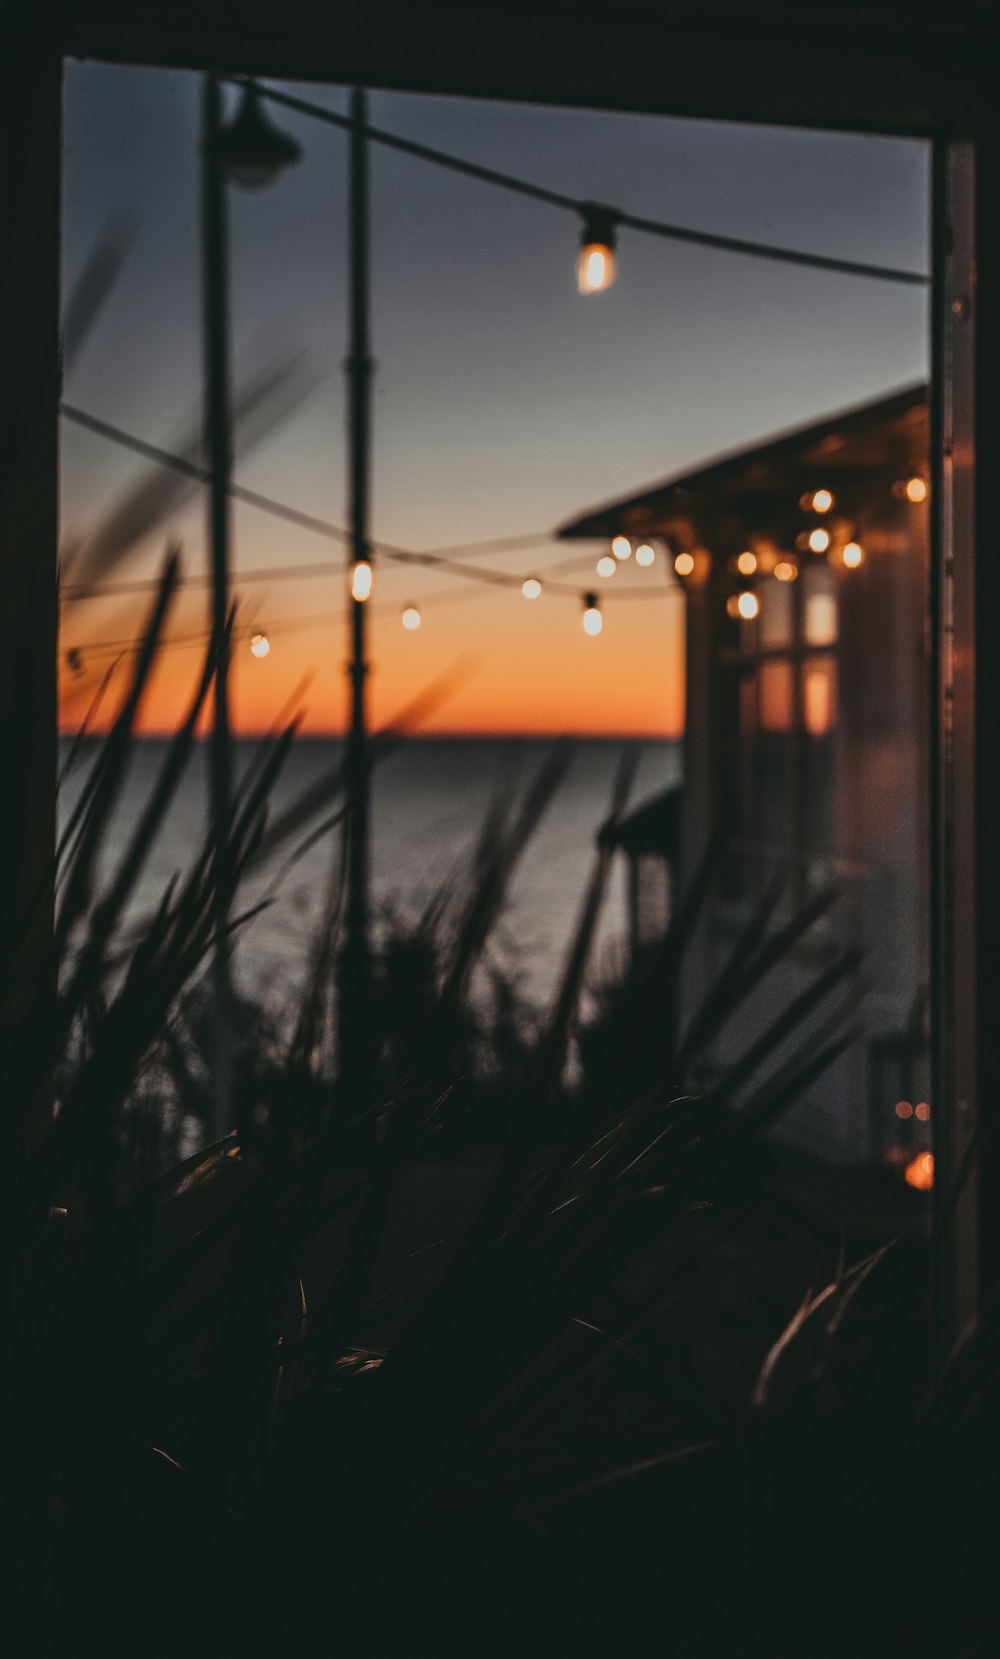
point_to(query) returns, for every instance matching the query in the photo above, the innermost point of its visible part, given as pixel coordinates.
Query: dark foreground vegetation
(488, 1361)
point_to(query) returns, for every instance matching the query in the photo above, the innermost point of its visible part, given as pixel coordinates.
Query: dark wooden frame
(875, 66)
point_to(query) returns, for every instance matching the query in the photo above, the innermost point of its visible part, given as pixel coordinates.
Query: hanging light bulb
(746, 564)
(593, 621)
(595, 265)
(621, 547)
(785, 570)
(684, 564)
(531, 587)
(747, 605)
(916, 489)
(250, 151)
(361, 581)
(819, 541)
(606, 566)
(411, 619)
(853, 554)
(644, 555)
(822, 501)
(260, 645)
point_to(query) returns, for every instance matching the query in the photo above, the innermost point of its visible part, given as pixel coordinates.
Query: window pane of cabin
(777, 695)
(819, 695)
(819, 606)
(776, 621)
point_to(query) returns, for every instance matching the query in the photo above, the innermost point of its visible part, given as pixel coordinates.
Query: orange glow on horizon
(520, 669)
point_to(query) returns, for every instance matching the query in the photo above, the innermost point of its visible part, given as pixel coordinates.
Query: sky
(504, 402)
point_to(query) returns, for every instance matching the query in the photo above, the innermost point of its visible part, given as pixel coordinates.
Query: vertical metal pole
(355, 1010)
(218, 446)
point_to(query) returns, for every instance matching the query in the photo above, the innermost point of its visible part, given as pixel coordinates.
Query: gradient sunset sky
(504, 402)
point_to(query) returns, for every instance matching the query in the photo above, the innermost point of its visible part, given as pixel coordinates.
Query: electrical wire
(557, 198)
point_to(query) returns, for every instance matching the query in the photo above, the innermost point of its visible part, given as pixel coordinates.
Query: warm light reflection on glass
(916, 489)
(644, 554)
(785, 571)
(853, 555)
(621, 547)
(822, 501)
(904, 1109)
(411, 619)
(818, 700)
(684, 564)
(595, 268)
(820, 617)
(923, 1112)
(260, 645)
(606, 566)
(362, 579)
(747, 605)
(920, 1172)
(531, 587)
(746, 564)
(819, 541)
(776, 695)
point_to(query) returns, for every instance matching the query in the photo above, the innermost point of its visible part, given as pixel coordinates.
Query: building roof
(868, 439)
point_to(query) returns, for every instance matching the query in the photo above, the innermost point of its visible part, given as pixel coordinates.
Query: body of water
(429, 800)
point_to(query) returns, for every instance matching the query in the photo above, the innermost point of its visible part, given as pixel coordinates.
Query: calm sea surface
(429, 798)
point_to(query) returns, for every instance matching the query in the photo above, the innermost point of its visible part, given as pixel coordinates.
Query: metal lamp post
(251, 153)
(357, 1043)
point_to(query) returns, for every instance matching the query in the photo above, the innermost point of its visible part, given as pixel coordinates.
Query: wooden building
(805, 565)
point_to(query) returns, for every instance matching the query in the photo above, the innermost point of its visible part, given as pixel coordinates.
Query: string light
(621, 547)
(595, 265)
(853, 555)
(746, 564)
(593, 621)
(606, 565)
(644, 555)
(785, 570)
(748, 605)
(531, 587)
(684, 564)
(411, 619)
(916, 489)
(819, 540)
(361, 581)
(260, 645)
(821, 501)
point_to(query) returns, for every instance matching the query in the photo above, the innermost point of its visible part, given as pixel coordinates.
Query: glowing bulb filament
(411, 619)
(362, 579)
(260, 645)
(644, 555)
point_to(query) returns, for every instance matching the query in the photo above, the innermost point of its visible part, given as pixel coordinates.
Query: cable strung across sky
(587, 210)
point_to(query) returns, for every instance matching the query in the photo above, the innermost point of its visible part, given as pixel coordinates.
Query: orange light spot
(924, 1112)
(916, 489)
(904, 1109)
(920, 1172)
(785, 571)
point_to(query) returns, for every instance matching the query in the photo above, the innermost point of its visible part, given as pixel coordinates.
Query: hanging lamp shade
(251, 152)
